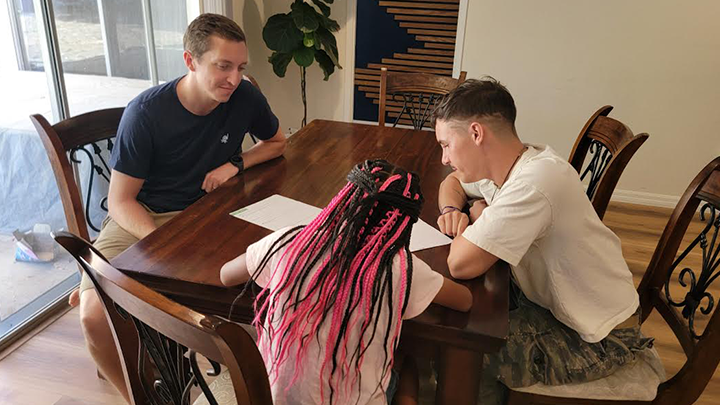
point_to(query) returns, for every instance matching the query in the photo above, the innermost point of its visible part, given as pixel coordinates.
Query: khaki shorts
(113, 239)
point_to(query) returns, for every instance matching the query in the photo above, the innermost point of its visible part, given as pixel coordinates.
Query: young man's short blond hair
(197, 36)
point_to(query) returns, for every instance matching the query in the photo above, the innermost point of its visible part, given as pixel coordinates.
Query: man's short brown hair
(197, 36)
(476, 99)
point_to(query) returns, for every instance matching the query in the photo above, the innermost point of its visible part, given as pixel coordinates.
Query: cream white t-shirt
(425, 285)
(561, 254)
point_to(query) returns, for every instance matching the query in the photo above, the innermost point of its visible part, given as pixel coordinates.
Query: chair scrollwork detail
(418, 107)
(176, 366)
(98, 168)
(601, 156)
(697, 286)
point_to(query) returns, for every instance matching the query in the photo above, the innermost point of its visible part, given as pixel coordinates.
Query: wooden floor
(53, 368)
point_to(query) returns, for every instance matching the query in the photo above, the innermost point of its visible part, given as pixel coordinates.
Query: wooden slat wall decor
(431, 52)
(440, 46)
(412, 11)
(423, 57)
(428, 26)
(427, 19)
(447, 27)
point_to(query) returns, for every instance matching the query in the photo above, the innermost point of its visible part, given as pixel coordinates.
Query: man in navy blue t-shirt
(176, 142)
(179, 153)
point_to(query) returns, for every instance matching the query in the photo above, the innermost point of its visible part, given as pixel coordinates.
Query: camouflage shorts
(540, 349)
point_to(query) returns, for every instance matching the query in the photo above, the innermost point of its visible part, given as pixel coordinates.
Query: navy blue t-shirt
(173, 149)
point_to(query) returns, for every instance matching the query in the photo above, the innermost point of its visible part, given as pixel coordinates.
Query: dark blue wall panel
(377, 36)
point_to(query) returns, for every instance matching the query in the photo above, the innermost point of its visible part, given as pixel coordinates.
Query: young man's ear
(477, 132)
(188, 58)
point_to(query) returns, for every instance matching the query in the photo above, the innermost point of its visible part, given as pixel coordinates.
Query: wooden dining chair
(158, 340)
(611, 145)
(86, 137)
(680, 294)
(254, 82)
(410, 98)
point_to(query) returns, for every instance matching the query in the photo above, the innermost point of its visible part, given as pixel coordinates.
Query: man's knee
(94, 323)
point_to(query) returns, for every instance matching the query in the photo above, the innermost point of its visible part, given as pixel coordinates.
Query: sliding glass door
(64, 58)
(112, 50)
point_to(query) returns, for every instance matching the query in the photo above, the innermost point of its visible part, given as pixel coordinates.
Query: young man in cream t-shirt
(576, 306)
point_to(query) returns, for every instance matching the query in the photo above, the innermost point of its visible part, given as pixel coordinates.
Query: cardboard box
(34, 246)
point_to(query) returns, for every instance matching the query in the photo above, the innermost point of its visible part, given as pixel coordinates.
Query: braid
(339, 269)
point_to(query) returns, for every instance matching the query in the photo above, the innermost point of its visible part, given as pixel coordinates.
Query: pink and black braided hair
(353, 243)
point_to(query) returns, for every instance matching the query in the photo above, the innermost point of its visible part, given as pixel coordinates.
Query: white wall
(325, 99)
(656, 61)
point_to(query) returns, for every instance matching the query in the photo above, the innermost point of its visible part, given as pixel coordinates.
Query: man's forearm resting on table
(265, 150)
(261, 152)
(466, 260)
(451, 193)
(452, 221)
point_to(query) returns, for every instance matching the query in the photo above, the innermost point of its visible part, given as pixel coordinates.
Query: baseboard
(641, 198)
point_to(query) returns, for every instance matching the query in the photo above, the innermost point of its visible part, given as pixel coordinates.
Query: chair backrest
(147, 325)
(611, 145)
(412, 96)
(254, 82)
(688, 308)
(71, 140)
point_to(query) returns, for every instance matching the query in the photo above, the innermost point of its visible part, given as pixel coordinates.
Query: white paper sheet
(277, 212)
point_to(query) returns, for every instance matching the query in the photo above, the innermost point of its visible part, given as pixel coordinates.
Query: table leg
(459, 373)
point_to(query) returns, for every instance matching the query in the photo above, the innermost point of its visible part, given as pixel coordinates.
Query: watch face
(237, 161)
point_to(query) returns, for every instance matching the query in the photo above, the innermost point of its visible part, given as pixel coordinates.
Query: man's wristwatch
(237, 161)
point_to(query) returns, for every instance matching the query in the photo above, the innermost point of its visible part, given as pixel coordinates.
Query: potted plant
(304, 35)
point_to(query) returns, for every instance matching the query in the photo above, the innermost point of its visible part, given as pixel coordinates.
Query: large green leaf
(304, 57)
(280, 62)
(327, 39)
(323, 7)
(326, 64)
(305, 17)
(280, 34)
(330, 24)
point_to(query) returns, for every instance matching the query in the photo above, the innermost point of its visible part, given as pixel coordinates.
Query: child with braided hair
(335, 292)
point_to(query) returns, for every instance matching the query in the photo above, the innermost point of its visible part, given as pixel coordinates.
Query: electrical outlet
(290, 131)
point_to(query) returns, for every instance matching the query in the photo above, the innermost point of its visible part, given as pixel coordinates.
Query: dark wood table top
(182, 259)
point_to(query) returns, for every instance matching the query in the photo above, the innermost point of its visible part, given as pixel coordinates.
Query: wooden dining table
(182, 259)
